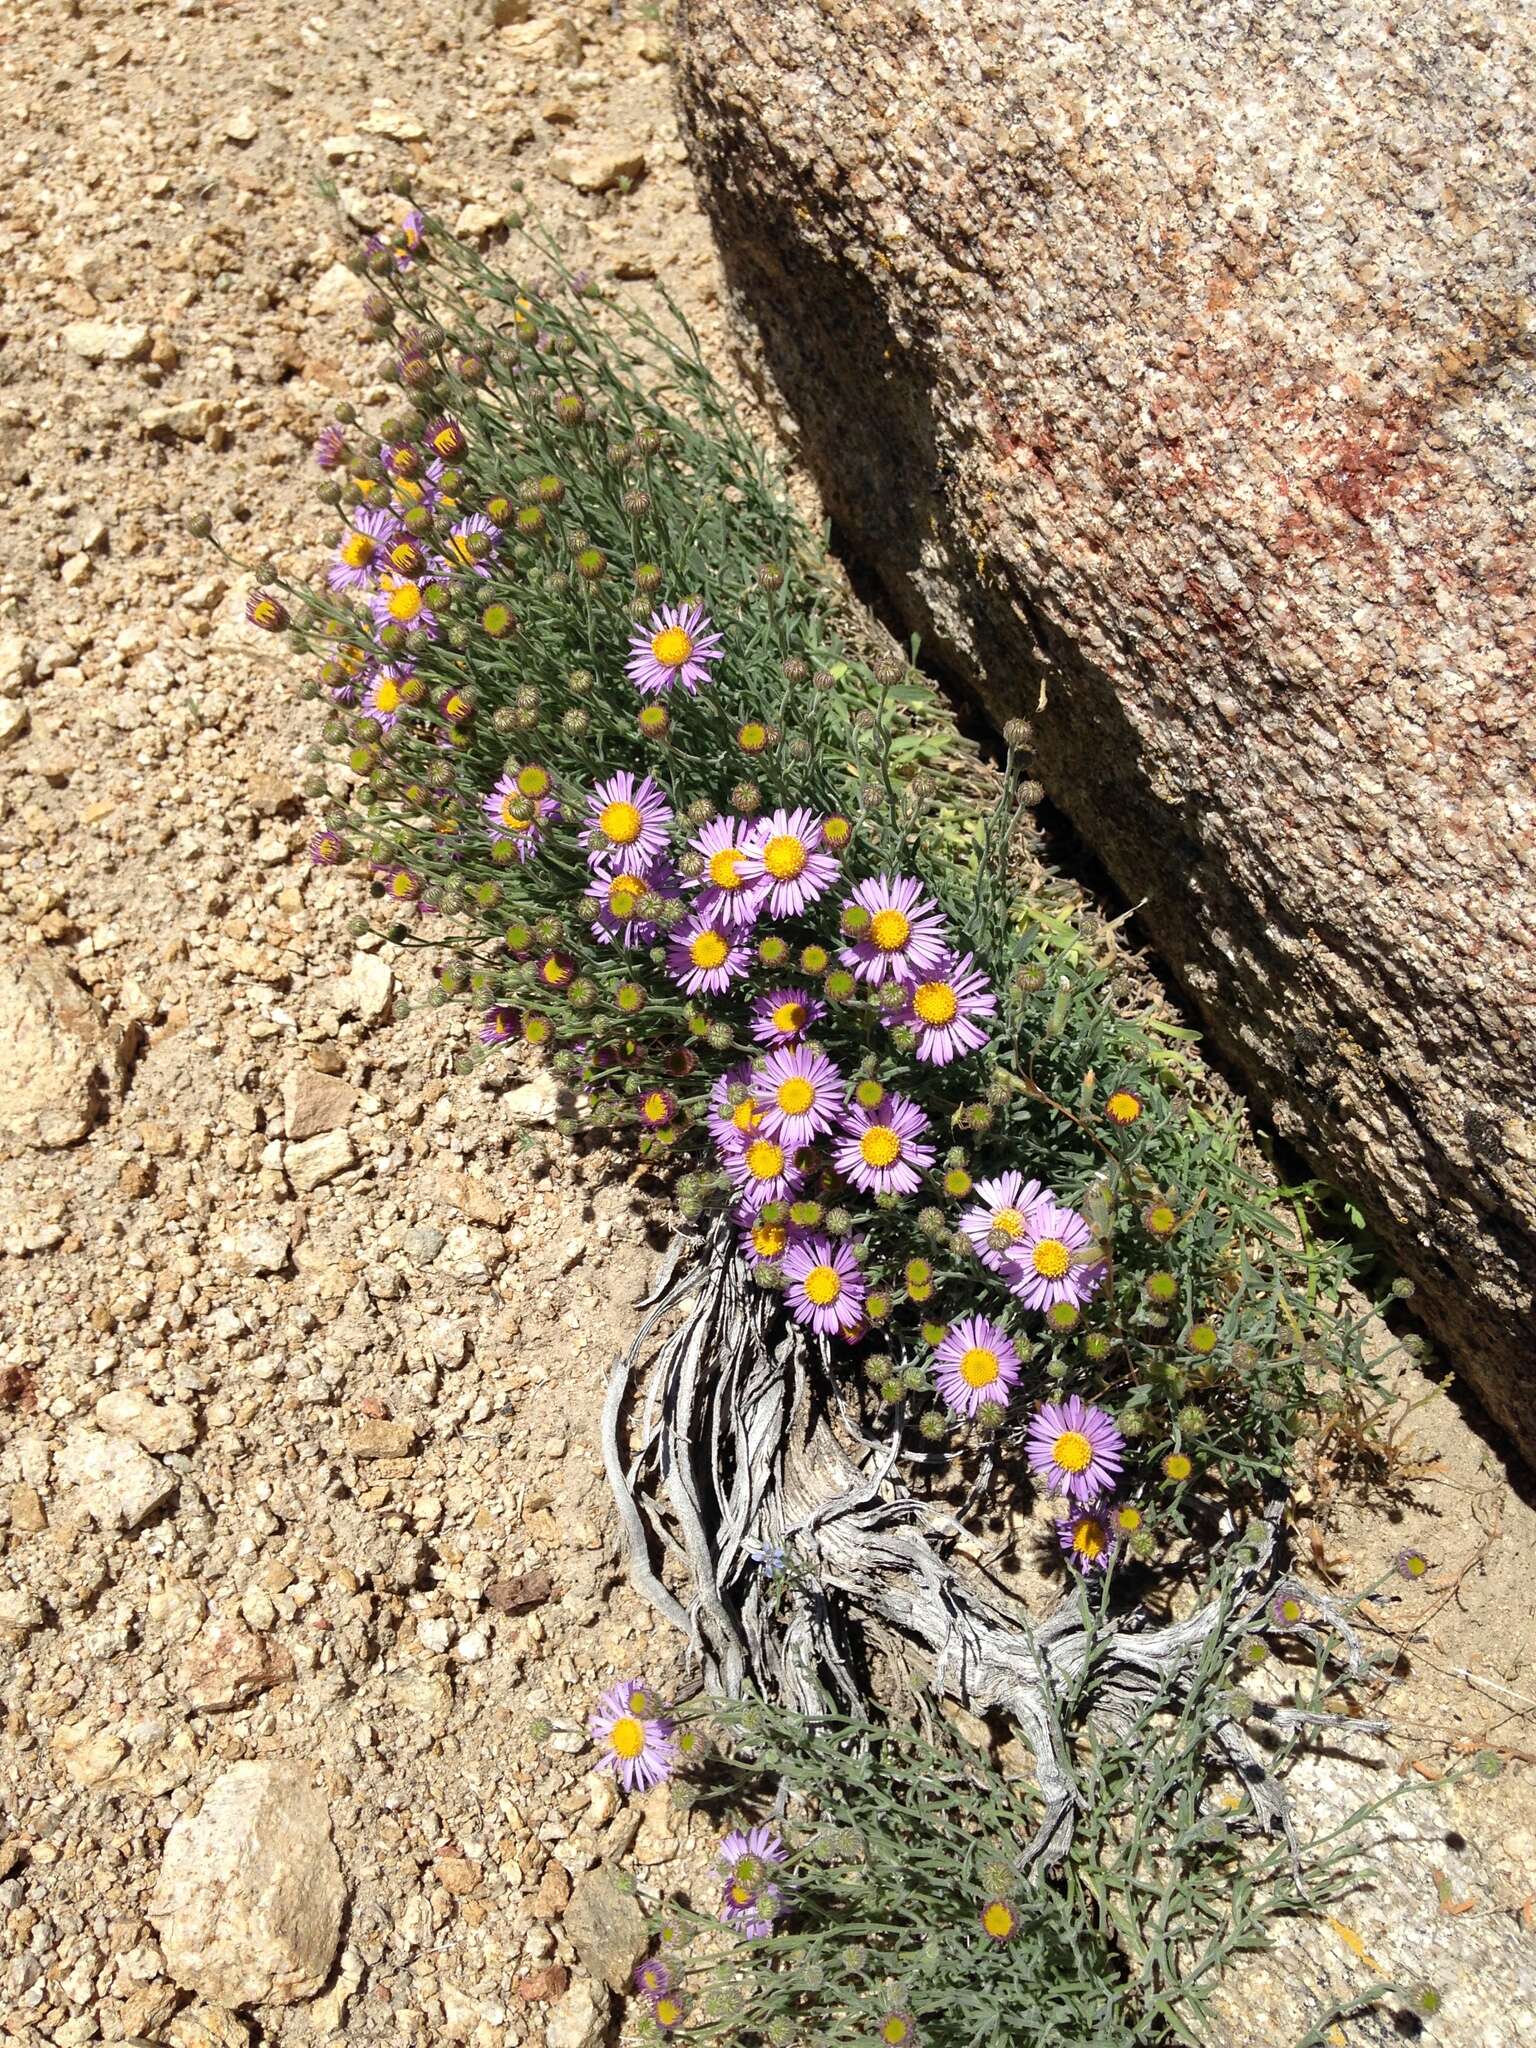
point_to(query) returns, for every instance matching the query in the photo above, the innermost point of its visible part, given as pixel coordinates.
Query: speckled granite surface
(1175, 368)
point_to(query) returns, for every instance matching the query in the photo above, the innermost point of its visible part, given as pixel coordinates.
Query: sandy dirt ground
(302, 1334)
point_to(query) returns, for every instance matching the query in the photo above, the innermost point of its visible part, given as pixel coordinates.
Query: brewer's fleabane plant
(612, 767)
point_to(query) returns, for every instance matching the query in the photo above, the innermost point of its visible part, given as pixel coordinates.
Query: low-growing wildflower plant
(609, 764)
(892, 1903)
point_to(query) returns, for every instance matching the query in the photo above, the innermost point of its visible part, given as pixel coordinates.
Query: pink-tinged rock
(226, 1665)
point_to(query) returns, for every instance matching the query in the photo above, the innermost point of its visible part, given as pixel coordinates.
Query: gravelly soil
(353, 1312)
(381, 1389)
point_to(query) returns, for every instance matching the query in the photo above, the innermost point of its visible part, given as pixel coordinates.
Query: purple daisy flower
(704, 957)
(785, 853)
(785, 1015)
(761, 1844)
(733, 1123)
(762, 1241)
(461, 548)
(509, 814)
(501, 1025)
(424, 487)
(675, 646)
(799, 1092)
(976, 1365)
(999, 1216)
(626, 822)
(402, 602)
(761, 1170)
(881, 1149)
(383, 699)
(617, 898)
(402, 243)
(638, 1747)
(824, 1286)
(445, 437)
(1087, 1539)
(327, 850)
(1075, 1448)
(751, 1917)
(725, 890)
(941, 1009)
(905, 936)
(331, 446)
(658, 1109)
(1055, 1258)
(359, 555)
(652, 1977)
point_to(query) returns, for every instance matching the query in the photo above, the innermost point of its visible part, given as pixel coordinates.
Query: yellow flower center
(1089, 1538)
(672, 647)
(358, 550)
(1072, 1451)
(765, 1160)
(979, 1367)
(822, 1285)
(795, 1095)
(622, 823)
(624, 893)
(1009, 1221)
(1177, 1466)
(785, 857)
(655, 1109)
(533, 781)
(668, 2010)
(1051, 1258)
(889, 930)
(1128, 1519)
(723, 866)
(769, 1239)
(745, 1116)
(935, 1002)
(403, 886)
(707, 950)
(789, 1017)
(627, 1737)
(998, 1920)
(895, 2032)
(387, 698)
(405, 604)
(1123, 1107)
(880, 1146)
